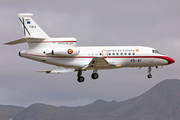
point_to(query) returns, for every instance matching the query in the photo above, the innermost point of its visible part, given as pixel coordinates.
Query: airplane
(64, 53)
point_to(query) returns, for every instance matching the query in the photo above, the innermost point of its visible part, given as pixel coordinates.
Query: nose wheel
(149, 71)
(149, 76)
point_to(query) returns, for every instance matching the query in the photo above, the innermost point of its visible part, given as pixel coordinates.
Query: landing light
(137, 50)
(118, 65)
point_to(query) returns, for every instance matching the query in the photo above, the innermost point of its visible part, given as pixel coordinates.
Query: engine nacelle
(63, 52)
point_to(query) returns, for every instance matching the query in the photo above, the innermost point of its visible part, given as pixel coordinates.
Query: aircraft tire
(94, 76)
(149, 76)
(80, 79)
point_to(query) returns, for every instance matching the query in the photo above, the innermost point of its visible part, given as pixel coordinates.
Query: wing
(99, 62)
(95, 64)
(57, 71)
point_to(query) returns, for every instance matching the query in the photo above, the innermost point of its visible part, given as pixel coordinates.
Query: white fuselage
(125, 56)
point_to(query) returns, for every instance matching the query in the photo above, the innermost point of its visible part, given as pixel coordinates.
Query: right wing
(95, 63)
(98, 62)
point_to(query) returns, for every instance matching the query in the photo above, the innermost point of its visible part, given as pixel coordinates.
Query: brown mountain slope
(162, 102)
(7, 111)
(45, 112)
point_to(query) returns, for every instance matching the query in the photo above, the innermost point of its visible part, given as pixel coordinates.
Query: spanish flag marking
(70, 51)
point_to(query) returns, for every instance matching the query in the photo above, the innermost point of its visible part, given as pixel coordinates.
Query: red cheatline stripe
(48, 41)
(160, 57)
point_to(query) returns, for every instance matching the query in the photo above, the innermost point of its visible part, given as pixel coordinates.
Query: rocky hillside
(162, 102)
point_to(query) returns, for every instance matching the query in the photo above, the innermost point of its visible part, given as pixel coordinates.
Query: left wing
(57, 71)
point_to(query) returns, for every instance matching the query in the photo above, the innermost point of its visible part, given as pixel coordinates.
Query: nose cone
(170, 60)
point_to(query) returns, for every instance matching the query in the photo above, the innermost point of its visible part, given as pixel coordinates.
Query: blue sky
(154, 23)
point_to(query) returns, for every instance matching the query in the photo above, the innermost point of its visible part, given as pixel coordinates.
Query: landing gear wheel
(149, 71)
(80, 79)
(94, 76)
(149, 76)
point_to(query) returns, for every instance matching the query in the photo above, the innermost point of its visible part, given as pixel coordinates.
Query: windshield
(155, 51)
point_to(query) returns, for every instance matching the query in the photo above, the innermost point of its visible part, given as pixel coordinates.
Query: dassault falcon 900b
(63, 53)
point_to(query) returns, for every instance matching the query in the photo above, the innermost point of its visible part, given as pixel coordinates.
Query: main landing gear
(81, 79)
(94, 76)
(149, 71)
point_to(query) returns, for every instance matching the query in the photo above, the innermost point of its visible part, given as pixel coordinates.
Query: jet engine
(63, 52)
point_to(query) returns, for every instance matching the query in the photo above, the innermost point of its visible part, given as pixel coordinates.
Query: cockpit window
(155, 51)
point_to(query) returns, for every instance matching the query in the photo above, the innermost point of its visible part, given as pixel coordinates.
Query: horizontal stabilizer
(19, 41)
(57, 71)
(23, 40)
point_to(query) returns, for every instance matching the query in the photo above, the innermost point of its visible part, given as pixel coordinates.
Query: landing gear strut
(149, 71)
(80, 78)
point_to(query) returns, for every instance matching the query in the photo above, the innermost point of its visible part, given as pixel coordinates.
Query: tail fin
(36, 37)
(32, 32)
(31, 29)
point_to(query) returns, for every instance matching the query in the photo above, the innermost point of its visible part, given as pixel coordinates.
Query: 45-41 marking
(135, 60)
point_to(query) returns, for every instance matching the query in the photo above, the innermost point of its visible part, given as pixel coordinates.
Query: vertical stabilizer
(36, 37)
(30, 28)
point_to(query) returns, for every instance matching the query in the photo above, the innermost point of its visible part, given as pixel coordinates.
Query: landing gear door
(104, 53)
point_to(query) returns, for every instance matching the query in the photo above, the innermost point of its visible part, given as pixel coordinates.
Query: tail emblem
(25, 29)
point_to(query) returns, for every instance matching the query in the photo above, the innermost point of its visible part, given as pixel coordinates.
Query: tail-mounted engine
(62, 52)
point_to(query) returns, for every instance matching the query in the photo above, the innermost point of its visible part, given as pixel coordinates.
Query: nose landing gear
(149, 71)
(149, 76)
